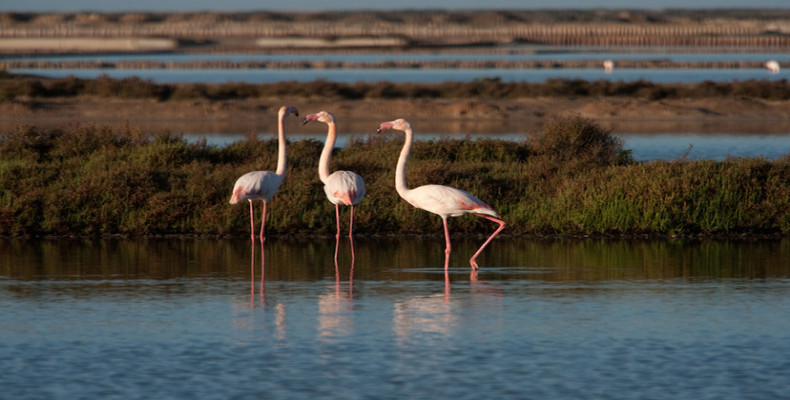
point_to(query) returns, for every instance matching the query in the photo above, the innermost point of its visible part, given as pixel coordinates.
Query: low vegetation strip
(572, 179)
(16, 87)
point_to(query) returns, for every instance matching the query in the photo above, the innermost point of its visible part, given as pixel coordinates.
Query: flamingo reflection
(335, 308)
(608, 66)
(418, 315)
(279, 319)
(485, 294)
(252, 275)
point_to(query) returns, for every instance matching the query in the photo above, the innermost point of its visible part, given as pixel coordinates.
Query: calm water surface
(419, 74)
(643, 147)
(399, 75)
(542, 319)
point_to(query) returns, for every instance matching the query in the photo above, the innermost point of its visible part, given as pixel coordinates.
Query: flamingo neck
(281, 154)
(400, 170)
(326, 154)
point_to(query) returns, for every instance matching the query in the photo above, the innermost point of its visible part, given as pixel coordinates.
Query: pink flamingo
(441, 200)
(608, 66)
(773, 66)
(262, 185)
(341, 187)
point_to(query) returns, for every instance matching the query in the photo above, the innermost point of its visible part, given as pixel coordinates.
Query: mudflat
(726, 114)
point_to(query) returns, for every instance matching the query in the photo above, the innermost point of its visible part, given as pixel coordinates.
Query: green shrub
(573, 179)
(13, 86)
(575, 143)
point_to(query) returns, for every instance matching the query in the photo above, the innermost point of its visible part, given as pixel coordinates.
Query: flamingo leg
(447, 247)
(263, 221)
(337, 269)
(263, 270)
(350, 223)
(337, 220)
(501, 223)
(252, 223)
(337, 245)
(252, 275)
(351, 243)
(351, 272)
(446, 284)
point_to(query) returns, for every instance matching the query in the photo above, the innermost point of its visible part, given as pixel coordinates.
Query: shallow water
(398, 75)
(643, 147)
(185, 318)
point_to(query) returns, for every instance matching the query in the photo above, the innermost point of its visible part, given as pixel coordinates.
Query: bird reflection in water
(335, 309)
(279, 319)
(252, 275)
(416, 316)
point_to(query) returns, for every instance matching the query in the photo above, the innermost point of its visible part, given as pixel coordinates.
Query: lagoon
(516, 54)
(643, 146)
(400, 75)
(211, 318)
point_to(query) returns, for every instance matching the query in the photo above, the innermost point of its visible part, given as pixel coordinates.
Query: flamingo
(772, 66)
(262, 185)
(341, 187)
(608, 66)
(441, 200)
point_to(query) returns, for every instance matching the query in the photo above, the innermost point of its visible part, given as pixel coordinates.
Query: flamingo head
(321, 116)
(285, 110)
(399, 124)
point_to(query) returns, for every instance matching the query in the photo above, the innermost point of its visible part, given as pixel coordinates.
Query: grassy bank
(574, 179)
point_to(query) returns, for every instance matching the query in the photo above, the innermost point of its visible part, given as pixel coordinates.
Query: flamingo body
(608, 66)
(773, 66)
(341, 187)
(256, 185)
(447, 201)
(344, 187)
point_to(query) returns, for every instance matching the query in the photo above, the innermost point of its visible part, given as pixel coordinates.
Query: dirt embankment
(740, 115)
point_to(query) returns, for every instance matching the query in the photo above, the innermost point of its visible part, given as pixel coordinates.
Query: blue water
(671, 146)
(409, 75)
(643, 147)
(187, 318)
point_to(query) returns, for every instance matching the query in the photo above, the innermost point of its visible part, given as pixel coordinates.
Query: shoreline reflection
(385, 259)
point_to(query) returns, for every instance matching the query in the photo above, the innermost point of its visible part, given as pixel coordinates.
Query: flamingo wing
(344, 187)
(256, 185)
(447, 201)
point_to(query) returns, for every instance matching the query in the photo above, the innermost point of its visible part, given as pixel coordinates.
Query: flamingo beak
(308, 118)
(384, 126)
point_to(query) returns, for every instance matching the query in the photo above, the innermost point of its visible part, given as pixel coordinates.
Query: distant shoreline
(657, 63)
(736, 30)
(486, 106)
(438, 116)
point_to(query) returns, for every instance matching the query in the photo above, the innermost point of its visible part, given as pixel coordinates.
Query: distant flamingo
(608, 66)
(772, 66)
(441, 200)
(341, 187)
(262, 185)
